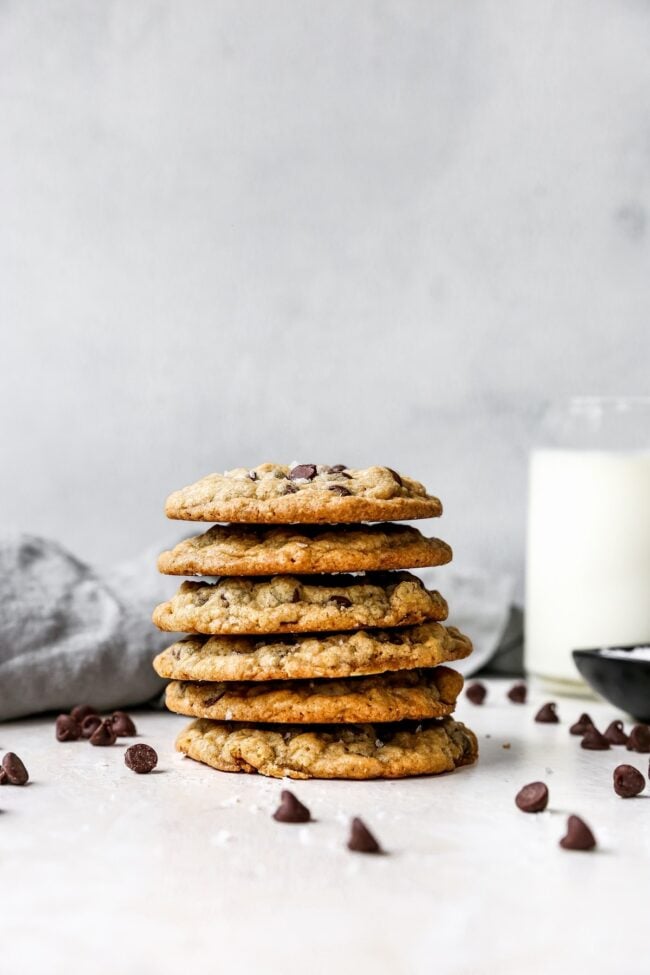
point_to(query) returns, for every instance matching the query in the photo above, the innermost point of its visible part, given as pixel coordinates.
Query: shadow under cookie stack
(294, 666)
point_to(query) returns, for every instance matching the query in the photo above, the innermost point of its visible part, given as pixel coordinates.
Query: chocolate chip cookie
(294, 604)
(298, 656)
(394, 696)
(306, 493)
(266, 550)
(331, 751)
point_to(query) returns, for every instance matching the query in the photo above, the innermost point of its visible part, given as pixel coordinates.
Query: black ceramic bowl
(624, 683)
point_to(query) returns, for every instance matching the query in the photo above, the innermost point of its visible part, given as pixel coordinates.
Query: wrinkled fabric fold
(71, 634)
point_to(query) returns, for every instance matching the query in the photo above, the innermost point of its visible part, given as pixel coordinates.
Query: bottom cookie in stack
(365, 751)
(368, 704)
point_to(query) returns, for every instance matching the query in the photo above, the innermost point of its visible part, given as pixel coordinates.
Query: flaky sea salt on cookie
(363, 751)
(304, 493)
(299, 604)
(304, 655)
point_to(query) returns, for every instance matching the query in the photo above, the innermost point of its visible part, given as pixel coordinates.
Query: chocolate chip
(140, 758)
(291, 810)
(104, 734)
(396, 476)
(295, 596)
(89, 724)
(342, 601)
(4, 778)
(290, 488)
(615, 734)
(123, 725)
(639, 740)
(532, 798)
(581, 725)
(361, 839)
(517, 693)
(81, 711)
(594, 741)
(209, 701)
(303, 471)
(14, 769)
(339, 489)
(628, 781)
(546, 714)
(67, 729)
(337, 468)
(252, 475)
(476, 692)
(578, 835)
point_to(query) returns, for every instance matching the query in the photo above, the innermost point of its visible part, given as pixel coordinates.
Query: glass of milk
(588, 539)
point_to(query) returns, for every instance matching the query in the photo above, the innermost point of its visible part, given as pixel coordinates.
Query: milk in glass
(588, 544)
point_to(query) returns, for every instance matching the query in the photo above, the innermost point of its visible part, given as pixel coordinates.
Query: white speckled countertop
(185, 868)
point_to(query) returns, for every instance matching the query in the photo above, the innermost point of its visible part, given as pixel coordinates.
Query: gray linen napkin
(70, 635)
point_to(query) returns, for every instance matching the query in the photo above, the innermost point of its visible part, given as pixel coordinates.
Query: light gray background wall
(344, 231)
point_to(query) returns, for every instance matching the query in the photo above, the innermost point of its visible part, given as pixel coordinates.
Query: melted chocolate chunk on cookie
(639, 740)
(594, 741)
(341, 601)
(15, 771)
(67, 729)
(339, 489)
(532, 798)
(396, 476)
(578, 835)
(476, 692)
(547, 714)
(361, 839)
(615, 734)
(628, 781)
(336, 469)
(303, 472)
(291, 810)
(581, 725)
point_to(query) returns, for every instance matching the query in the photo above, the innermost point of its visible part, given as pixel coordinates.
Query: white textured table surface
(185, 868)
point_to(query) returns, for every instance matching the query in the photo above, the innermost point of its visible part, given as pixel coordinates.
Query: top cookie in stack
(311, 494)
(335, 650)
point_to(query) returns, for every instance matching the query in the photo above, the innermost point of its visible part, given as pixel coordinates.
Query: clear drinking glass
(588, 541)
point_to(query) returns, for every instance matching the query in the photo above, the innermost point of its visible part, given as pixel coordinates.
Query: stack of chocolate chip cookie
(312, 653)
